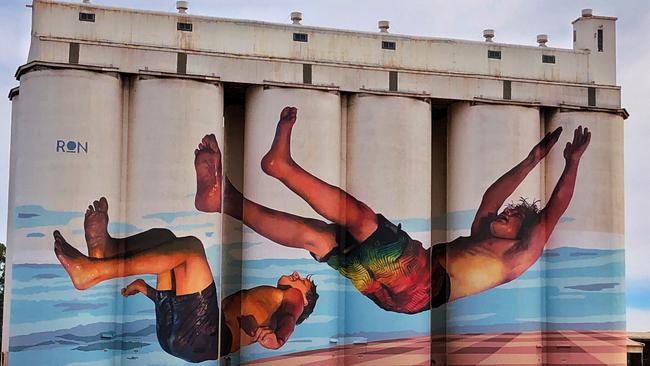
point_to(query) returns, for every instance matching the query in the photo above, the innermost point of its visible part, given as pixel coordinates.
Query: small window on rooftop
(600, 40)
(388, 45)
(185, 27)
(548, 59)
(494, 54)
(87, 17)
(301, 37)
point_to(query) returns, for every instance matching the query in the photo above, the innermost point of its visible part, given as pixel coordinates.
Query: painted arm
(497, 193)
(557, 203)
(287, 315)
(139, 286)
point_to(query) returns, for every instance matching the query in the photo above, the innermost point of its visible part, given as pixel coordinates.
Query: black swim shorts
(187, 326)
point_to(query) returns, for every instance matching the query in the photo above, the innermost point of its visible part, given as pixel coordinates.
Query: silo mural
(371, 266)
(218, 216)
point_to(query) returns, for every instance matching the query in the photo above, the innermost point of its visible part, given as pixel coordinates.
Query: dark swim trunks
(391, 269)
(187, 326)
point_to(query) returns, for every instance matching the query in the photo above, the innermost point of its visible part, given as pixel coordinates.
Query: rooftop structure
(87, 35)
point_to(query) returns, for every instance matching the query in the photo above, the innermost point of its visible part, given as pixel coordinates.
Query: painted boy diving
(383, 262)
(185, 297)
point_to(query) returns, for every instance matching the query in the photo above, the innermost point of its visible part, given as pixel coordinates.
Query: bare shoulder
(262, 293)
(264, 289)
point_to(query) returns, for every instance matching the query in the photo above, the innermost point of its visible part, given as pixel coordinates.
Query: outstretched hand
(543, 147)
(574, 150)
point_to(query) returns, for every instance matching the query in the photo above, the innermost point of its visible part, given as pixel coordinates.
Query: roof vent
(296, 17)
(383, 26)
(182, 6)
(488, 34)
(542, 39)
(587, 13)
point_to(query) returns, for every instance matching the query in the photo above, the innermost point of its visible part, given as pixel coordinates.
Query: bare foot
(95, 228)
(278, 159)
(133, 288)
(78, 266)
(207, 163)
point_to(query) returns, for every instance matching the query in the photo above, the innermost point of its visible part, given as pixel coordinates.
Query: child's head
(304, 285)
(312, 297)
(514, 221)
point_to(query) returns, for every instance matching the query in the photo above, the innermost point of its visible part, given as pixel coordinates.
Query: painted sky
(515, 22)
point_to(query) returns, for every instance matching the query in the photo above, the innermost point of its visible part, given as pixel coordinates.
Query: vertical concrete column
(11, 222)
(65, 153)
(486, 141)
(593, 225)
(389, 169)
(167, 120)
(316, 146)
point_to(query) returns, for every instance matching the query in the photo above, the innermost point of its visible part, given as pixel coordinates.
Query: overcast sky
(514, 22)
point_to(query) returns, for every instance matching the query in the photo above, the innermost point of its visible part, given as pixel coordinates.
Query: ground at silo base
(560, 348)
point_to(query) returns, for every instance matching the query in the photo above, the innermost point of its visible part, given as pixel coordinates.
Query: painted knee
(363, 224)
(321, 241)
(163, 234)
(193, 245)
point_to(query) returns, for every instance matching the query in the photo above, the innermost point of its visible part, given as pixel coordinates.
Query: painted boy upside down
(383, 262)
(188, 322)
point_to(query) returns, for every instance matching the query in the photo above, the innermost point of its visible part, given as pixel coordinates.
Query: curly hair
(530, 211)
(312, 297)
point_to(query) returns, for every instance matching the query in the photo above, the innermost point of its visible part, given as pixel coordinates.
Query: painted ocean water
(54, 324)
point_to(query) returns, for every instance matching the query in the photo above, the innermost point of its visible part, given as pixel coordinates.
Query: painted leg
(102, 245)
(329, 201)
(184, 255)
(284, 228)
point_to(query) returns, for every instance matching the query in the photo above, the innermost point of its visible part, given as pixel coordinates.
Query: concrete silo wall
(389, 169)
(485, 142)
(70, 133)
(315, 142)
(594, 219)
(316, 146)
(15, 112)
(389, 154)
(427, 171)
(66, 152)
(598, 197)
(167, 120)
